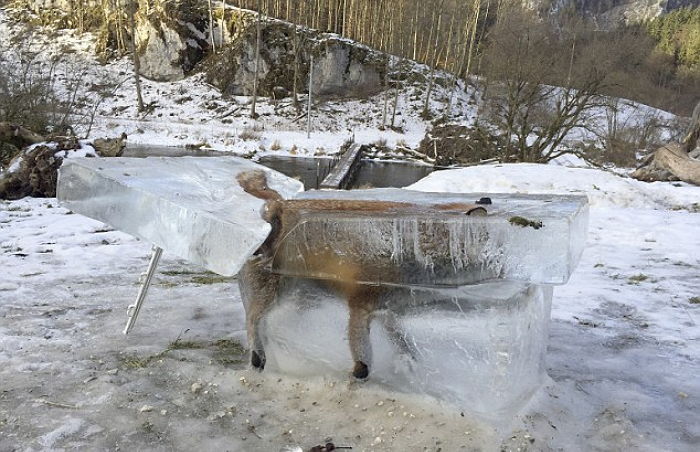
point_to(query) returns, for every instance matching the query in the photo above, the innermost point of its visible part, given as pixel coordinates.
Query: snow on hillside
(623, 354)
(604, 189)
(191, 112)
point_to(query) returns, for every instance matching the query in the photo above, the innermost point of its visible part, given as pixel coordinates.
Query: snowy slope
(604, 189)
(192, 112)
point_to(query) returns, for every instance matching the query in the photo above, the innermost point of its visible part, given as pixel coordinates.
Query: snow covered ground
(625, 339)
(623, 353)
(624, 344)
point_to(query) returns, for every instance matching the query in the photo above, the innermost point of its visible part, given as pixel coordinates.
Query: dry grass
(249, 134)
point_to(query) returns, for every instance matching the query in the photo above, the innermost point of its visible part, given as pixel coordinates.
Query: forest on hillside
(656, 62)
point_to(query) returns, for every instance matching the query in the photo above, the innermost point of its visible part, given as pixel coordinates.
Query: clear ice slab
(530, 238)
(192, 207)
(464, 300)
(480, 347)
(464, 310)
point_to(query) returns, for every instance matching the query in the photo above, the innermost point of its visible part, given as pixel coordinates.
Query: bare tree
(434, 29)
(253, 114)
(295, 77)
(223, 21)
(521, 60)
(211, 27)
(132, 7)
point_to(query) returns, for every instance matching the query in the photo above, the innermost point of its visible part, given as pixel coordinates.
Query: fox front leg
(259, 291)
(396, 334)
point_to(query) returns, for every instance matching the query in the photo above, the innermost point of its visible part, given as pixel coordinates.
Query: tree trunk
(211, 27)
(678, 162)
(386, 93)
(670, 159)
(257, 66)
(135, 55)
(223, 21)
(308, 107)
(295, 82)
(426, 105)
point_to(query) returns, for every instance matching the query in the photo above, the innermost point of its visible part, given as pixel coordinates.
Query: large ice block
(530, 238)
(192, 207)
(460, 303)
(480, 347)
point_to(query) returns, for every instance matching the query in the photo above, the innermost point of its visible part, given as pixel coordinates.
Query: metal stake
(133, 310)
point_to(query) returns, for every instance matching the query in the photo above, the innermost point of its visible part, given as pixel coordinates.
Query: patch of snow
(603, 188)
(85, 150)
(69, 427)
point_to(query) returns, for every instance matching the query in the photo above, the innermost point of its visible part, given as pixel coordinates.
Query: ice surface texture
(479, 347)
(529, 238)
(191, 207)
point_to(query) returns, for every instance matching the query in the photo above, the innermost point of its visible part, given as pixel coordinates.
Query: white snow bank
(603, 189)
(85, 150)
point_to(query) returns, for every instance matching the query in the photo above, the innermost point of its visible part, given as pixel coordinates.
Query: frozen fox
(259, 285)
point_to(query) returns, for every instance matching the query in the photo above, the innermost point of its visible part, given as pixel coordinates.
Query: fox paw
(361, 371)
(257, 360)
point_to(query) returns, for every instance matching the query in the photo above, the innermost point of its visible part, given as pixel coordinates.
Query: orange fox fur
(259, 285)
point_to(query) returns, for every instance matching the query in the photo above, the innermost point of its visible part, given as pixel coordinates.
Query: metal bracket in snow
(133, 310)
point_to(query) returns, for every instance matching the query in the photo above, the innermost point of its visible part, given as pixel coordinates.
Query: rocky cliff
(172, 38)
(341, 67)
(608, 13)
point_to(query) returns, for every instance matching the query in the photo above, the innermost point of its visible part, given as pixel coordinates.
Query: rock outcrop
(341, 67)
(345, 68)
(675, 161)
(172, 38)
(171, 43)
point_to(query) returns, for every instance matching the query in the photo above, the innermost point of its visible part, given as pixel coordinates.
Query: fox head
(255, 183)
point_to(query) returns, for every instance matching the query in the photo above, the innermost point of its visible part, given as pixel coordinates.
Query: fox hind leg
(358, 335)
(361, 303)
(391, 324)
